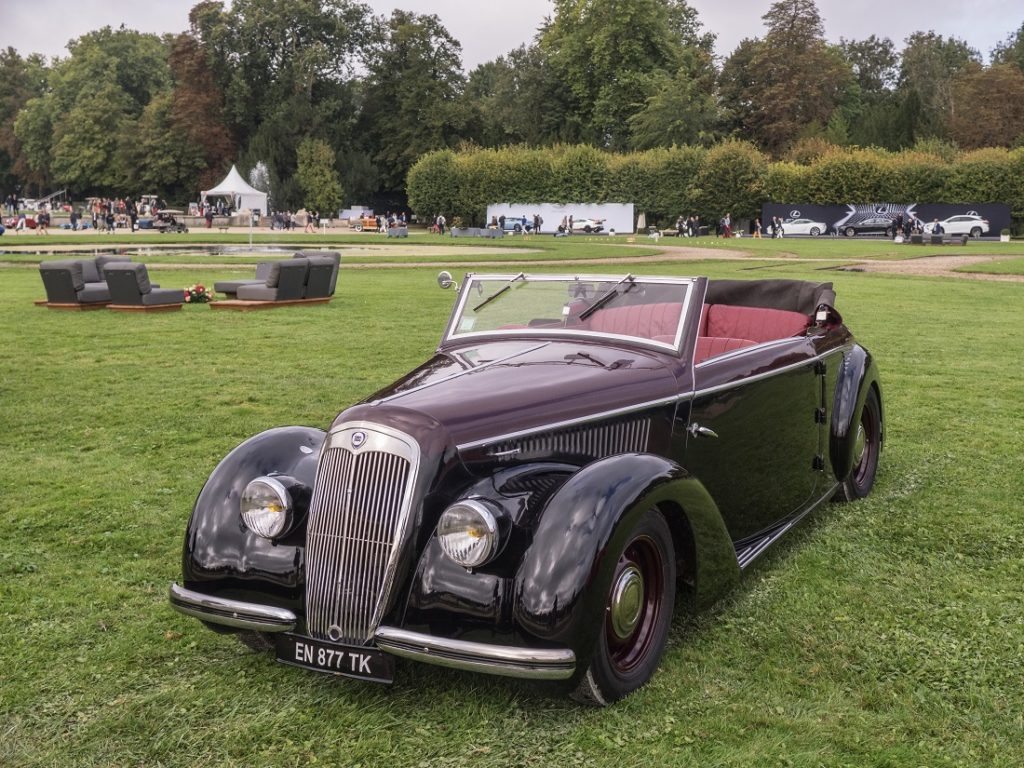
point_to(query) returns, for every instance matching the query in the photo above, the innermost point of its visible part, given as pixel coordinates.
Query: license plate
(321, 656)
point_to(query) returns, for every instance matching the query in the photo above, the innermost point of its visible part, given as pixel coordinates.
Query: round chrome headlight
(266, 507)
(468, 532)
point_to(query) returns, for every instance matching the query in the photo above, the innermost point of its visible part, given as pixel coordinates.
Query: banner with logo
(880, 219)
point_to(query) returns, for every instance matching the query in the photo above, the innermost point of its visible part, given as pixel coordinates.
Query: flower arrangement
(197, 294)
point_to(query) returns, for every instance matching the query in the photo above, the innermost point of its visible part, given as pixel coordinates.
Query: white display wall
(617, 216)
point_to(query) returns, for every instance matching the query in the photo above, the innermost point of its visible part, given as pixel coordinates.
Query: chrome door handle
(696, 430)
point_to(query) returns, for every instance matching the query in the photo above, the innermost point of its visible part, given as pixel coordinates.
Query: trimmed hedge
(732, 176)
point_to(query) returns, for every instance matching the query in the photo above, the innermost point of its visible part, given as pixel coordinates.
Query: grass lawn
(889, 632)
(1004, 267)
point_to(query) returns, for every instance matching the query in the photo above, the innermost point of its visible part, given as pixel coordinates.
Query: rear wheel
(637, 615)
(849, 231)
(588, 229)
(975, 231)
(866, 448)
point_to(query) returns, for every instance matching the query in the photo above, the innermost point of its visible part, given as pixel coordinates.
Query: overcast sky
(489, 29)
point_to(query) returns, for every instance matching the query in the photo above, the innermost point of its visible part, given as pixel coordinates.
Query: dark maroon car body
(620, 462)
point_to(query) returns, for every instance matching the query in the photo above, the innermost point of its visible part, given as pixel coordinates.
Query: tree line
(331, 104)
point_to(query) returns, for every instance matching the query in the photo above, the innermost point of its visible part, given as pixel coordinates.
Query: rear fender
(857, 375)
(561, 585)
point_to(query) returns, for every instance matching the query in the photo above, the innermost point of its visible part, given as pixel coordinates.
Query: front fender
(561, 585)
(858, 373)
(219, 548)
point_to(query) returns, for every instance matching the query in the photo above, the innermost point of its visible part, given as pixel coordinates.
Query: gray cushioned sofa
(130, 288)
(78, 283)
(307, 275)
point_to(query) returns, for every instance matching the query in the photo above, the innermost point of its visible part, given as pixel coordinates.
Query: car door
(755, 432)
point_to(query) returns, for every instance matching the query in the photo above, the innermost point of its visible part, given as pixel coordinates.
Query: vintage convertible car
(528, 501)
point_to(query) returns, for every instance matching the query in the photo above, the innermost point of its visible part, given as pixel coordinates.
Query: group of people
(688, 227)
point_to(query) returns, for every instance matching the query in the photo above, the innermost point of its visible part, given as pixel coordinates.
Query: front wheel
(815, 231)
(866, 448)
(637, 615)
(849, 232)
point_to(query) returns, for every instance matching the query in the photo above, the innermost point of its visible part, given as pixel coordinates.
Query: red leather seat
(755, 323)
(644, 321)
(711, 346)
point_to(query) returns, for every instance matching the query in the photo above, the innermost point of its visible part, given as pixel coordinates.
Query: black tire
(518, 228)
(888, 231)
(975, 231)
(849, 231)
(637, 616)
(256, 641)
(358, 227)
(867, 447)
(815, 231)
(588, 229)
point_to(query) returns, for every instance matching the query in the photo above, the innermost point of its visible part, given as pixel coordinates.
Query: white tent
(243, 196)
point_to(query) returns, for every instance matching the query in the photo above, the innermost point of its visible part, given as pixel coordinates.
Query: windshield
(650, 310)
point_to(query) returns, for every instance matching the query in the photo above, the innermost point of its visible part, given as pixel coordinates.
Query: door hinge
(818, 463)
(820, 416)
(820, 367)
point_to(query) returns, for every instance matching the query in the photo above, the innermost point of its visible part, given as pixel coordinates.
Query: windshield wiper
(608, 296)
(496, 294)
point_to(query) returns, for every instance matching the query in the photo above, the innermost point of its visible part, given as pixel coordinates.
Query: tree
(988, 109)
(1011, 50)
(317, 177)
(20, 80)
(197, 111)
(610, 58)
(157, 156)
(411, 101)
(682, 111)
(874, 63)
(929, 65)
(788, 81)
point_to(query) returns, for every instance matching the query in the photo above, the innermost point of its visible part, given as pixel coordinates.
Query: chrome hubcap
(627, 601)
(859, 444)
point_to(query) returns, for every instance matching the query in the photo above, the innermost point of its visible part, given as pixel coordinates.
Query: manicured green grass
(883, 633)
(1002, 267)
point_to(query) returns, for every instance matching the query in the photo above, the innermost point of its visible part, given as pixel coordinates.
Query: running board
(749, 550)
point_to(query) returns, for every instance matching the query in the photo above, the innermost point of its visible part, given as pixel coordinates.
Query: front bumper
(507, 660)
(231, 613)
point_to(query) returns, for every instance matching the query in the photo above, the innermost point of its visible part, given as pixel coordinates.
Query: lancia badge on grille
(358, 438)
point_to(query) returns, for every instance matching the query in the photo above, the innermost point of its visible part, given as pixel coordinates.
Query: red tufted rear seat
(755, 323)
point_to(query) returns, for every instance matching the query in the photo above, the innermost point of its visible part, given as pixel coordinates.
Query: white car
(962, 224)
(588, 225)
(804, 227)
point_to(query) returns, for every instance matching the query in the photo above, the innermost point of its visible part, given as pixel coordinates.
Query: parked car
(11, 222)
(963, 224)
(166, 221)
(529, 500)
(522, 224)
(587, 226)
(366, 221)
(804, 227)
(873, 225)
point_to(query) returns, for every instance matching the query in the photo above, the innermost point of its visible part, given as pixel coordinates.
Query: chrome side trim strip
(506, 660)
(752, 551)
(405, 392)
(231, 613)
(766, 374)
(572, 422)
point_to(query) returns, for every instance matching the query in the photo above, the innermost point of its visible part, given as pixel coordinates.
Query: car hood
(495, 389)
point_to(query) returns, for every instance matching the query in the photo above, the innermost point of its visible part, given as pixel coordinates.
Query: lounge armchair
(286, 281)
(314, 287)
(131, 290)
(230, 287)
(67, 288)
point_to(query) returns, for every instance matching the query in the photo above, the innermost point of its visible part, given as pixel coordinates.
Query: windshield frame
(471, 279)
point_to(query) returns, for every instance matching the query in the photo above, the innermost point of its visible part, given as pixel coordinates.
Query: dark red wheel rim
(642, 558)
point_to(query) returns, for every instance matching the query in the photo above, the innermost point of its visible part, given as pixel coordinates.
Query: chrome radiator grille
(595, 442)
(357, 517)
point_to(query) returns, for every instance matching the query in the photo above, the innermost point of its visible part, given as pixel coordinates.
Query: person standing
(133, 215)
(757, 228)
(569, 230)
